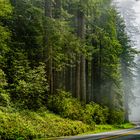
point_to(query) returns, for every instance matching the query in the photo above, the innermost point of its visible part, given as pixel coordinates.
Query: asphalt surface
(129, 134)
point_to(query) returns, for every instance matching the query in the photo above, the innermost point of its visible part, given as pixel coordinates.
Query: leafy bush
(116, 117)
(95, 113)
(4, 100)
(4, 96)
(66, 106)
(3, 82)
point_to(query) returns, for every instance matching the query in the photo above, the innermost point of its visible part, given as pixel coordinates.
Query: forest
(65, 68)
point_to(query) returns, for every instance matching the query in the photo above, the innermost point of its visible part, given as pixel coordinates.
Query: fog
(130, 11)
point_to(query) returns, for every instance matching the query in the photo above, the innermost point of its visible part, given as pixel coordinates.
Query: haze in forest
(130, 11)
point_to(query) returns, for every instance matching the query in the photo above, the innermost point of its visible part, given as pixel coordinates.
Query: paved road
(129, 134)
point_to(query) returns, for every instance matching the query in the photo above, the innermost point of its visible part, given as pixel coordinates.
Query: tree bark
(48, 8)
(49, 61)
(87, 82)
(58, 7)
(77, 87)
(81, 69)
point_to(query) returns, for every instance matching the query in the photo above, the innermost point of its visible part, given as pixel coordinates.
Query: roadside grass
(125, 126)
(107, 127)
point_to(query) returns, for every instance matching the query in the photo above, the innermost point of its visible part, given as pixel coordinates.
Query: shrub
(66, 106)
(4, 100)
(95, 113)
(116, 117)
(4, 96)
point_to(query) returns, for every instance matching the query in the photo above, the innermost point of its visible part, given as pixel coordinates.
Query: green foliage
(26, 26)
(124, 126)
(30, 125)
(4, 100)
(27, 86)
(5, 13)
(66, 106)
(17, 65)
(96, 113)
(116, 117)
(3, 81)
(103, 128)
(32, 88)
(29, 37)
(4, 96)
(4, 35)
(108, 127)
(26, 124)
(5, 8)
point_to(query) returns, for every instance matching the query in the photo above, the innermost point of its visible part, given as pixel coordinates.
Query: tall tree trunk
(48, 14)
(99, 97)
(48, 8)
(95, 79)
(126, 106)
(83, 79)
(96, 75)
(58, 75)
(77, 82)
(111, 96)
(126, 88)
(81, 69)
(58, 7)
(88, 67)
(87, 82)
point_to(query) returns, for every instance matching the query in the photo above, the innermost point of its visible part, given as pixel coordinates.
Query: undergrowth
(30, 125)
